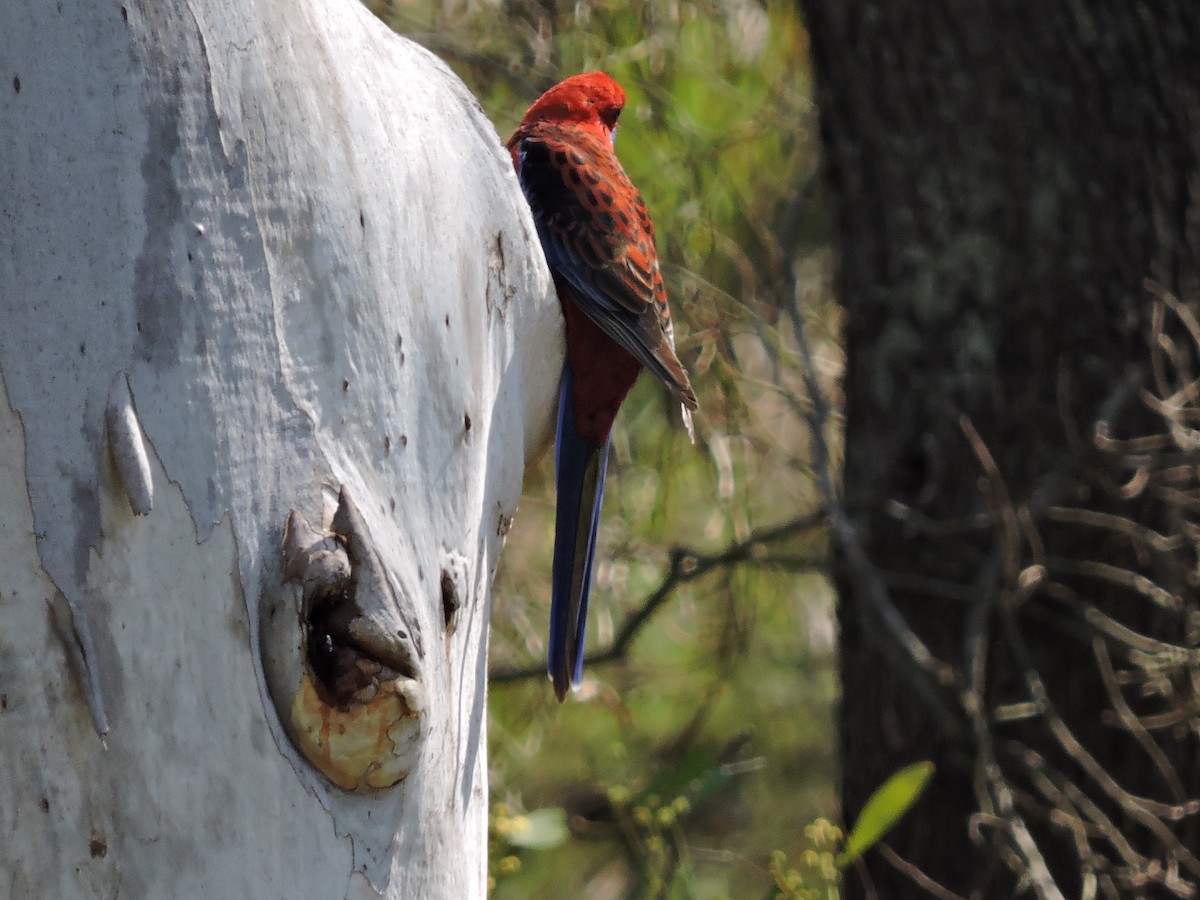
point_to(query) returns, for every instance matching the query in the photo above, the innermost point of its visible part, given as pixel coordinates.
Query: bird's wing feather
(598, 237)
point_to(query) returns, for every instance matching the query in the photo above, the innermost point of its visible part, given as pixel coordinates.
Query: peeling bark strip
(357, 713)
(125, 440)
(81, 651)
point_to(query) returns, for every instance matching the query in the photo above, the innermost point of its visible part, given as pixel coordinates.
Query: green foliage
(679, 766)
(819, 874)
(884, 808)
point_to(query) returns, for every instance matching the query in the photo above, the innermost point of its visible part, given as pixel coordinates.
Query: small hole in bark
(346, 653)
(450, 599)
(16, 84)
(342, 673)
(333, 665)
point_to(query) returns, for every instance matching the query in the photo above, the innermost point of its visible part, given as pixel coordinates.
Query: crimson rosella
(599, 243)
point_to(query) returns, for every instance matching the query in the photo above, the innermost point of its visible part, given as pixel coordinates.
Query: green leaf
(885, 807)
(540, 829)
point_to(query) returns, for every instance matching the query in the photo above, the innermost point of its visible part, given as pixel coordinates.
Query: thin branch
(1120, 577)
(999, 499)
(1159, 543)
(1133, 725)
(685, 567)
(1148, 813)
(929, 676)
(1066, 796)
(919, 878)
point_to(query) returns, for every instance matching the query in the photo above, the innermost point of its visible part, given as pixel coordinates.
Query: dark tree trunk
(1013, 186)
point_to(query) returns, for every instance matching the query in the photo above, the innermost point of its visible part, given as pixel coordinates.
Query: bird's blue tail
(580, 467)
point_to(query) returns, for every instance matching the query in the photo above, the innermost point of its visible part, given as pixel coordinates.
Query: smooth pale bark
(298, 238)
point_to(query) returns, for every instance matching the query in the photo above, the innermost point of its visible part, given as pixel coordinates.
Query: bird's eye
(610, 121)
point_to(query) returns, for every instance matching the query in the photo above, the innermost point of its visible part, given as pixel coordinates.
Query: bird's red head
(591, 100)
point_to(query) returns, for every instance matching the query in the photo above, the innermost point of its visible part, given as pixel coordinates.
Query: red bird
(599, 243)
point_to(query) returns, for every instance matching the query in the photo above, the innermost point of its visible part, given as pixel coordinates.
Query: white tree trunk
(251, 253)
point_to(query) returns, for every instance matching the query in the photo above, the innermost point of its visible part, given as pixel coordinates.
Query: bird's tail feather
(580, 469)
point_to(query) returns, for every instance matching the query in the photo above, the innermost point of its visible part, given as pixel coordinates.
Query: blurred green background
(680, 766)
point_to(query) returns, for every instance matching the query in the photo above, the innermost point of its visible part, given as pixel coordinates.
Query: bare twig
(1120, 577)
(1148, 537)
(1148, 813)
(1133, 725)
(685, 567)
(919, 878)
(930, 676)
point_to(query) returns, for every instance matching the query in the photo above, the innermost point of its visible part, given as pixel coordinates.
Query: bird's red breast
(603, 371)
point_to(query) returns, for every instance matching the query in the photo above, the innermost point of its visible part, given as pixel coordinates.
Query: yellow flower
(509, 864)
